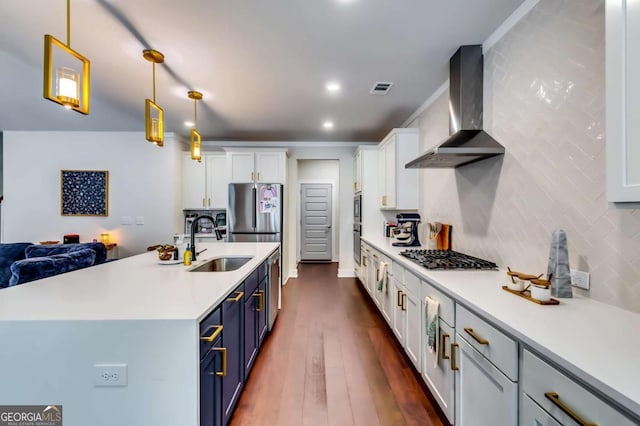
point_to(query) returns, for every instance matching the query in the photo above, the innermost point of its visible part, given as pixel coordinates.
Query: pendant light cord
(195, 113)
(154, 81)
(68, 23)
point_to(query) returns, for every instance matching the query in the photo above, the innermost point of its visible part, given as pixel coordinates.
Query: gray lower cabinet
(484, 395)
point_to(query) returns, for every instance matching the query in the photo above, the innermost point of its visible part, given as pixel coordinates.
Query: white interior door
(315, 222)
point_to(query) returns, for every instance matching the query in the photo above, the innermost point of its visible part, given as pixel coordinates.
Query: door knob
(328, 226)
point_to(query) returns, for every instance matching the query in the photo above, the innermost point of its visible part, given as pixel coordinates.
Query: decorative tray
(526, 294)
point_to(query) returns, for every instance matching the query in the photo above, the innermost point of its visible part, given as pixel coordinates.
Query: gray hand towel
(558, 266)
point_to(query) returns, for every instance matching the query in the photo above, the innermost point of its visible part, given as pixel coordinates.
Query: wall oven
(357, 208)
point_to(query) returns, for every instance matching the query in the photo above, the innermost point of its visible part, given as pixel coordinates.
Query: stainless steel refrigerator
(255, 212)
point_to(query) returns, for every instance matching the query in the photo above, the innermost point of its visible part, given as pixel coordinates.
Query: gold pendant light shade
(196, 139)
(63, 84)
(154, 115)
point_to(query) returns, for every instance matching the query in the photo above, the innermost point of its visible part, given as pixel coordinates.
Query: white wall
(544, 100)
(344, 220)
(323, 171)
(144, 181)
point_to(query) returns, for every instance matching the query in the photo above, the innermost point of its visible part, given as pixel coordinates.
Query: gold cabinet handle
(237, 298)
(404, 301)
(222, 373)
(355, 186)
(454, 367)
(555, 398)
(375, 257)
(443, 354)
(364, 261)
(216, 332)
(209, 202)
(203, 202)
(399, 299)
(384, 200)
(477, 338)
(260, 295)
(251, 176)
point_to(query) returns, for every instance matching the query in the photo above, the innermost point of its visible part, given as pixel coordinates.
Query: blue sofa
(24, 262)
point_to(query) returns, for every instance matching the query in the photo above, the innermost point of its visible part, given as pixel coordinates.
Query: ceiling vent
(381, 88)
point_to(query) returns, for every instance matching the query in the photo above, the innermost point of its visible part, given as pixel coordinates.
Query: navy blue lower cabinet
(263, 290)
(211, 372)
(250, 330)
(212, 369)
(232, 340)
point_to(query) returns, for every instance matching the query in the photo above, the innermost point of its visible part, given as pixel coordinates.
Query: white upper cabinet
(257, 166)
(241, 167)
(193, 183)
(397, 186)
(271, 167)
(623, 100)
(204, 184)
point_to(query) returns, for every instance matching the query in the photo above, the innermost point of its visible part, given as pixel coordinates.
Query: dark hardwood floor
(330, 360)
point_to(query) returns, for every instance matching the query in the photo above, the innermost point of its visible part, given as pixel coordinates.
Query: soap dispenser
(187, 255)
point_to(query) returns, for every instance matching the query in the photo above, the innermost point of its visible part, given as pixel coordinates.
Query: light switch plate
(109, 375)
(139, 220)
(126, 220)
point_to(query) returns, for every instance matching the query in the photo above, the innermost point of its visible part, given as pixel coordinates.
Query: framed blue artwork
(84, 192)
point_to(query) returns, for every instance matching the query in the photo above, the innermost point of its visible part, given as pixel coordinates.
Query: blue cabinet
(253, 301)
(212, 365)
(232, 340)
(262, 327)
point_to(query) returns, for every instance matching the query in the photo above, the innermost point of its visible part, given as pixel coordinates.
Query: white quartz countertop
(137, 287)
(598, 343)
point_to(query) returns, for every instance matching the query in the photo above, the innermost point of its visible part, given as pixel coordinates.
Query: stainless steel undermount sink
(222, 264)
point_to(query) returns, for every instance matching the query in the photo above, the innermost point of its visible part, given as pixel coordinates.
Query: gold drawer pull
(399, 298)
(212, 336)
(555, 398)
(260, 295)
(251, 176)
(444, 355)
(478, 339)
(224, 362)
(404, 301)
(237, 298)
(454, 367)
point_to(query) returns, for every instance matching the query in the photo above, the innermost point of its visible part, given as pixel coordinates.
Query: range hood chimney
(467, 142)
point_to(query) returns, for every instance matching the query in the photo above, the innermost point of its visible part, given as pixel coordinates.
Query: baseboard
(293, 273)
(346, 273)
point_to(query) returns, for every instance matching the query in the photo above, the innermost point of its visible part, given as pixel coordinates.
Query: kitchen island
(583, 350)
(135, 313)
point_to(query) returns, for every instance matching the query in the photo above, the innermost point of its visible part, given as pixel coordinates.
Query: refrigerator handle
(255, 201)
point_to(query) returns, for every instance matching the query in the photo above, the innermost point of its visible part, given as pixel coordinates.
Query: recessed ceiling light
(328, 125)
(333, 87)
(188, 123)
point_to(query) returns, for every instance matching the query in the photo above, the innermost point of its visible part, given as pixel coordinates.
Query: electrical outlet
(110, 375)
(580, 279)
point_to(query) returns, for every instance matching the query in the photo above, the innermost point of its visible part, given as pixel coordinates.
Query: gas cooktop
(447, 259)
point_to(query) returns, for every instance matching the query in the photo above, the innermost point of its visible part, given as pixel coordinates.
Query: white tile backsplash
(545, 102)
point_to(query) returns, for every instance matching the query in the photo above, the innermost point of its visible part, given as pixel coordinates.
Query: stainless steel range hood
(467, 142)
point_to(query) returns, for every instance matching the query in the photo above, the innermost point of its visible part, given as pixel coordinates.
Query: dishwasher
(274, 287)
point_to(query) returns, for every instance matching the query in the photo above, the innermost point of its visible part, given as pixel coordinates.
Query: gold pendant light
(153, 114)
(196, 151)
(60, 66)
